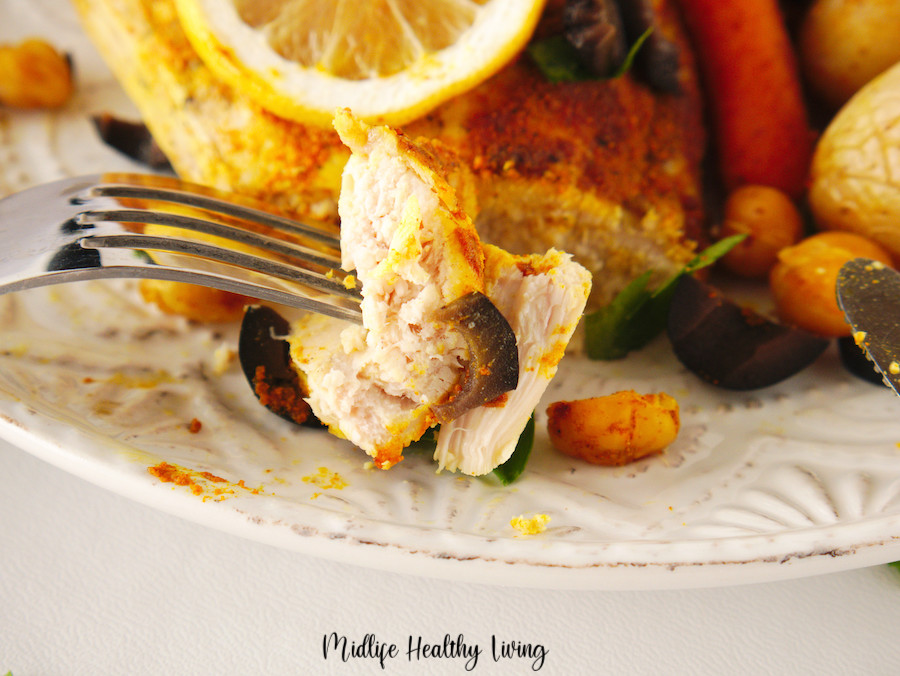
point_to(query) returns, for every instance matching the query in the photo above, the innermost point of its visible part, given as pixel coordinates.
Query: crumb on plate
(530, 525)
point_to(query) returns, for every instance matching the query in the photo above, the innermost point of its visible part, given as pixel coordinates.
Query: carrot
(750, 74)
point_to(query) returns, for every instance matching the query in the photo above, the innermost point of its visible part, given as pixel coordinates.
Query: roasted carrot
(755, 97)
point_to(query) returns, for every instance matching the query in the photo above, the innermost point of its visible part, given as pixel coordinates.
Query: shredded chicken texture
(415, 250)
(542, 297)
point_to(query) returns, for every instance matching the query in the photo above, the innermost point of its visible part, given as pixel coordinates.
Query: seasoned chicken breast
(415, 252)
(606, 170)
(609, 171)
(542, 297)
(210, 133)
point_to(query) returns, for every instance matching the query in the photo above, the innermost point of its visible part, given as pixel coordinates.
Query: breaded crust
(606, 170)
(211, 134)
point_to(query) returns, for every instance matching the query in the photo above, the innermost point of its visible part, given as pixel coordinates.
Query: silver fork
(92, 227)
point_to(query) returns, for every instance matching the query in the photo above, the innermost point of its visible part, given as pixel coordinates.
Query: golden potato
(803, 281)
(771, 222)
(615, 429)
(200, 303)
(34, 75)
(855, 172)
(843, 44)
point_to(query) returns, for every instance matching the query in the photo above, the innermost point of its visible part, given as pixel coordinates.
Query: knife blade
(868, 292)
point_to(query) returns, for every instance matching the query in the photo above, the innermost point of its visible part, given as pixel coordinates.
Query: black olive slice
(731, 346)
(594, 28)
(266, 362)
(854, 359)
(493, 367)
(658, 60)
(132, 139)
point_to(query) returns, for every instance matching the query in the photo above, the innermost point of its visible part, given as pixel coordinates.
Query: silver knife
(868, 292)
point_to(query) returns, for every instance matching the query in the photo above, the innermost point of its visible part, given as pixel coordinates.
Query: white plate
(798, 479)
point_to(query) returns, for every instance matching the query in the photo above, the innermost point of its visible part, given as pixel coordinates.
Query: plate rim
(881, 545)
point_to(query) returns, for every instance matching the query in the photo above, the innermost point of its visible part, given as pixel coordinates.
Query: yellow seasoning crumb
(325, 478)
(350, 282)
(859, 337)
(204, 484)
(255, 491)
(530, 525)
(894, 368)
(223, 358)
(144, 381)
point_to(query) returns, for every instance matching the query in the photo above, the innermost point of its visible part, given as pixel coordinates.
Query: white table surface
(93, 583)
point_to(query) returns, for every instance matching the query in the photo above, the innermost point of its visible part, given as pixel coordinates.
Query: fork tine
(248, 237)
(89, 227)
(164, 189)
(250, 262)
(290, 296)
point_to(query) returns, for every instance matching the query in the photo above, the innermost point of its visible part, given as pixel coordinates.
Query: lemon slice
(389, 61)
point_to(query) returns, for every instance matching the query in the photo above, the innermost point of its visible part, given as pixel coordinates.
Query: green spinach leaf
(558, 59)
(510, 470)
(637, 314)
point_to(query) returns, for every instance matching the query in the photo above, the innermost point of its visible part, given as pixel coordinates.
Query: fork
(93, 227)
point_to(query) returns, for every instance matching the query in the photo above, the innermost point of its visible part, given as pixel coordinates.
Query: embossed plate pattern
(798, 479)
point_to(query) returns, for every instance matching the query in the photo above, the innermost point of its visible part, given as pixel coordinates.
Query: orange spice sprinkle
(325, 478)
(198, 482)
(194, 426)
(498, 401)
(283, 399)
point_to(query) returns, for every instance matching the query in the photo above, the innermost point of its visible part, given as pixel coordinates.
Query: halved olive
(132, 139)
(266, 361)
(493, 367)
(594, 28)
(732, 346)
(658, 60)
(854, 359)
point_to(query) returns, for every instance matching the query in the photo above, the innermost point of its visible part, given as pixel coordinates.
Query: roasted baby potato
(615, 429)
(199, 303)
(803, 280)
(855, 173)
(771, 222)
(34, 75)
(845, 43)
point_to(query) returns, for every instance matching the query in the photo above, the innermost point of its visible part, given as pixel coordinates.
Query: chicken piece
(543, 298)
(211, 134)
(414, 250)
(607, 170)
